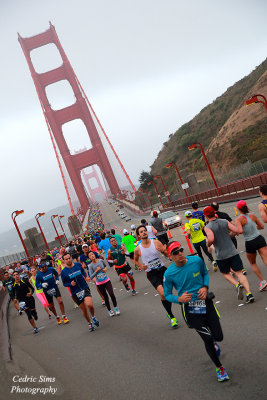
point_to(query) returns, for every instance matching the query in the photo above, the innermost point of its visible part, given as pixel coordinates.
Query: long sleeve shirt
(189, 278)
(75, 273)
(50, 277)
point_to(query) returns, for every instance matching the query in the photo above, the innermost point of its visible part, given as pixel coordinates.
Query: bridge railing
(235, 190)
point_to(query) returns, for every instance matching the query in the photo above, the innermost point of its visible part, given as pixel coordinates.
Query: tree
(144, 178)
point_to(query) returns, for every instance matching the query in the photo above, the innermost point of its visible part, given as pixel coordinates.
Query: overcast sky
(147, 67)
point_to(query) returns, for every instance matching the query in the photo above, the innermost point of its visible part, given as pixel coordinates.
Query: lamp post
(173, 164)
(144, 191)
(167, 194)
(59, 218)
(155, 186)
(199, 146)
(256, 98)
(37, 216)
(52, 219)
(13, 216)
(143, 200)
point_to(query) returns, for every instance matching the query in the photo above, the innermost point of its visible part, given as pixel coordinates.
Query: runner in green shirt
(117, 237)
(8, 283)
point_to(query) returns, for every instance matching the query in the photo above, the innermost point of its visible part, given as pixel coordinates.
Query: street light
(199, 146)
(173, 164)
(37, 216)
(59, 218)
(152, 182)
(13, 216)
(52, 218)
(144, 191)
(255, 99)
(167, 194)
(143, 200)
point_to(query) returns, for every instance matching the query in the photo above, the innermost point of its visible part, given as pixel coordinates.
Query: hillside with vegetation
(230, 132)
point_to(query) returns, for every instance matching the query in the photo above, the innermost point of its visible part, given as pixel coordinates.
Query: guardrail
(4, 332)
(242, 188)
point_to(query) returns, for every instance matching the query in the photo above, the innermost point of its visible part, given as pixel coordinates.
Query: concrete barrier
(4, 331)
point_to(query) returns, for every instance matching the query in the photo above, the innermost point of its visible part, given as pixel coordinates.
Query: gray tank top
(250, 230)
(224, 247)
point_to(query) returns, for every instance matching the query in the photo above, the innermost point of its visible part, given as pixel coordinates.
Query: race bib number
(196, 226)
(101, 276)
(51, 292)
(80, 295)
(154, 264)
(197, 307)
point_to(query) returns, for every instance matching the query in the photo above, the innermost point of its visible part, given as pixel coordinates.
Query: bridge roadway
(137, 355)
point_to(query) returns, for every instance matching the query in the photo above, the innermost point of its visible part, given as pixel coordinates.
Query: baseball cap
(84, 245)
(172, 246)
(209, 211)
(132, 226)
(42, 265)
(188, 213)
(240, 204)
(155, 213)
(125, 231)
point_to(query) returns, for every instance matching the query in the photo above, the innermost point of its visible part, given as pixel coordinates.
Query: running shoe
(59, 322)
(103, 303)
(127, 288)
(35, 330)
(134, 292)
(244, 271)
(250, 298)
(222, 374)
(217, 348)
(95, 321)
(117, 311)
(239, 289)
(75, 306)
(91, 327)
(49, 316)
(262, 286)
(65, 319)
(174, 323)
(111, 313)
(214, 266)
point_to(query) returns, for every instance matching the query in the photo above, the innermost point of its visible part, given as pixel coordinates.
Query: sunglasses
(177, 251)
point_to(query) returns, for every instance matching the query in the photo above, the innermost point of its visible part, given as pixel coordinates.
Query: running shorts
(255, 244)
(131, 255)
(30, 304)
(155, 276)
(163, 238)
(49, 297)
(123, 270)
(79, 298)
(234, 263)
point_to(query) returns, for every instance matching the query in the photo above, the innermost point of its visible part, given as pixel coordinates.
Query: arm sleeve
(56, 274)
(38, 281)
(65, 280)
(168, 286)
(204, 273)
(30, 286)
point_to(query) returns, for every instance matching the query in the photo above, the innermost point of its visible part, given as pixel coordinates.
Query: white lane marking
(156, 294)
(145, 293)
(217, 302)
(114, 288)
(240, 305)
(265, 308)
(121, 290)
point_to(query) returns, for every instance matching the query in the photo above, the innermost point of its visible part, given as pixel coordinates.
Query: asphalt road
(137, 355)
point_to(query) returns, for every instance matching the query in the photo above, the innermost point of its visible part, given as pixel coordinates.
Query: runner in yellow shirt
(194, 229)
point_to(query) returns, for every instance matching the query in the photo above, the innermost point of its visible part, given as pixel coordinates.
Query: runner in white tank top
(150, 251)
(151, 256)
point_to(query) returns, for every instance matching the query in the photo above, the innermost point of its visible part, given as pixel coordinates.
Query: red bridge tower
(79, 110)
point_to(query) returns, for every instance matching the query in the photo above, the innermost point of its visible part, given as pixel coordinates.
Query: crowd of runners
(90, 259)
